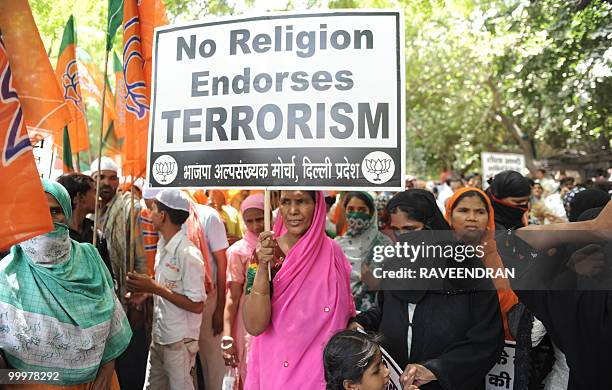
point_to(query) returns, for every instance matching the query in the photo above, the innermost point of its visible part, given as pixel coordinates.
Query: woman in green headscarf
(358, 244)
(58, 311)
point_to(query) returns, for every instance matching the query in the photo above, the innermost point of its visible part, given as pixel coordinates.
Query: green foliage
(187, 10)
(556, 72)
(481, 75)
(549, 64)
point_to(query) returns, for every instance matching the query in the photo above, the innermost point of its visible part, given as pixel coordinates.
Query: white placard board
(44, 155)
(494, 163)
(308, 100)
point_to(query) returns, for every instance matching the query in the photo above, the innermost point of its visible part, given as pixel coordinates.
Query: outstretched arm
(543, 237)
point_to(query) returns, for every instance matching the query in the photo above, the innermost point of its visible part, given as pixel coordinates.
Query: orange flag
(135, 107)
(41, 98)
(120, 94)
(24, 212)
(92, 83)
(152, 14)
(67, 73)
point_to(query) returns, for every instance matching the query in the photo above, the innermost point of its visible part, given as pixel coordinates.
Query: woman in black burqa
(448, 336)
(579, 320)
(509, 193)
(585, 200)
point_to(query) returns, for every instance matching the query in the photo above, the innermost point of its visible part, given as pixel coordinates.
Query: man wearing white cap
(114, 222)
(179, 296)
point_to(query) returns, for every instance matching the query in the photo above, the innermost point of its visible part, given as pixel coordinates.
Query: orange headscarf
(507, 298)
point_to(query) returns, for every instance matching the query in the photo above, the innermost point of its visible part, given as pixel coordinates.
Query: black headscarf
(590, 214)
(585, 200)
(420, 205)
(508, 184)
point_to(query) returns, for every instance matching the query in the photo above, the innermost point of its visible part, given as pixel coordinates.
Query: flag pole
(267, 223)
(100, 149)
(132, 220)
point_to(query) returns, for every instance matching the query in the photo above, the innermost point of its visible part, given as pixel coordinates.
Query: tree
(499, 75)
(515, 75)
(552, 82)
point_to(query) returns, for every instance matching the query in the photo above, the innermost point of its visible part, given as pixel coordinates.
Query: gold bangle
(259, 293)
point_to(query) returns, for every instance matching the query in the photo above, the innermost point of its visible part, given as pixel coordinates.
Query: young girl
(353, 361)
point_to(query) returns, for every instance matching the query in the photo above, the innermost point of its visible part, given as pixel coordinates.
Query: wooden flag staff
(96, 212)
(132, 221)
(267, 223)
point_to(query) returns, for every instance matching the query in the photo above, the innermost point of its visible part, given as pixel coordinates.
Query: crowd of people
(185, 289)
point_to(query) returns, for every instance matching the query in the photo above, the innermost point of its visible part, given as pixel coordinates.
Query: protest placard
(44, 156)
(395, 372)
(494, 163)
(501, 375)
(312, 100)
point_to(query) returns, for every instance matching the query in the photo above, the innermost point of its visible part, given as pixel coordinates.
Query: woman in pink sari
(307, 301)
(236, 341)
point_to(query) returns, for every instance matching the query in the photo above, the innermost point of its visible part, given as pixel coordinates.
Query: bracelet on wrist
(225, 347)
(227, 342)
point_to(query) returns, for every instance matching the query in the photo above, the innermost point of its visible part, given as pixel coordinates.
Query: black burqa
(421, 205)
(508, 184)
(585, 200)
(579, 322)
(456, 333)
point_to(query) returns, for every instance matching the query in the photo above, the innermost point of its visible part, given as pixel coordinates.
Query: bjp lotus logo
(70, 82)
(378, 167)
(164, 169)
(136, 100)
(17, 141)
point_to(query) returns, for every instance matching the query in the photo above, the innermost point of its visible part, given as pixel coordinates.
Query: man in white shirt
(179, 296)
(211, 358)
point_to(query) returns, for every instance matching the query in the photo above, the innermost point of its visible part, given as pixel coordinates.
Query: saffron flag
(67, 73)
(152, 14)
(136, 104)
(110, 143)
(92, 83)
(42, 101)
(24, 212)
(67, 152)
(120, 123)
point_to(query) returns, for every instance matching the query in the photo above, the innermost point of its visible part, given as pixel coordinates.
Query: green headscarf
(52, 248)
(358, 245)
(59, 315)
(61, 194)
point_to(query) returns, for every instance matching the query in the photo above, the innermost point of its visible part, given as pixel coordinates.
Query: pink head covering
(249, 241)
(311, 301)
(255, 201)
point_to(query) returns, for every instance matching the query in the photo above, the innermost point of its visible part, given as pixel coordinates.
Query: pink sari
(311, 301)
(238, 259)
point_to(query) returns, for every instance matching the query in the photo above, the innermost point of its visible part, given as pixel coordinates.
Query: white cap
(139, 183)
(175, 199)
(105, 164)
(150, 193)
